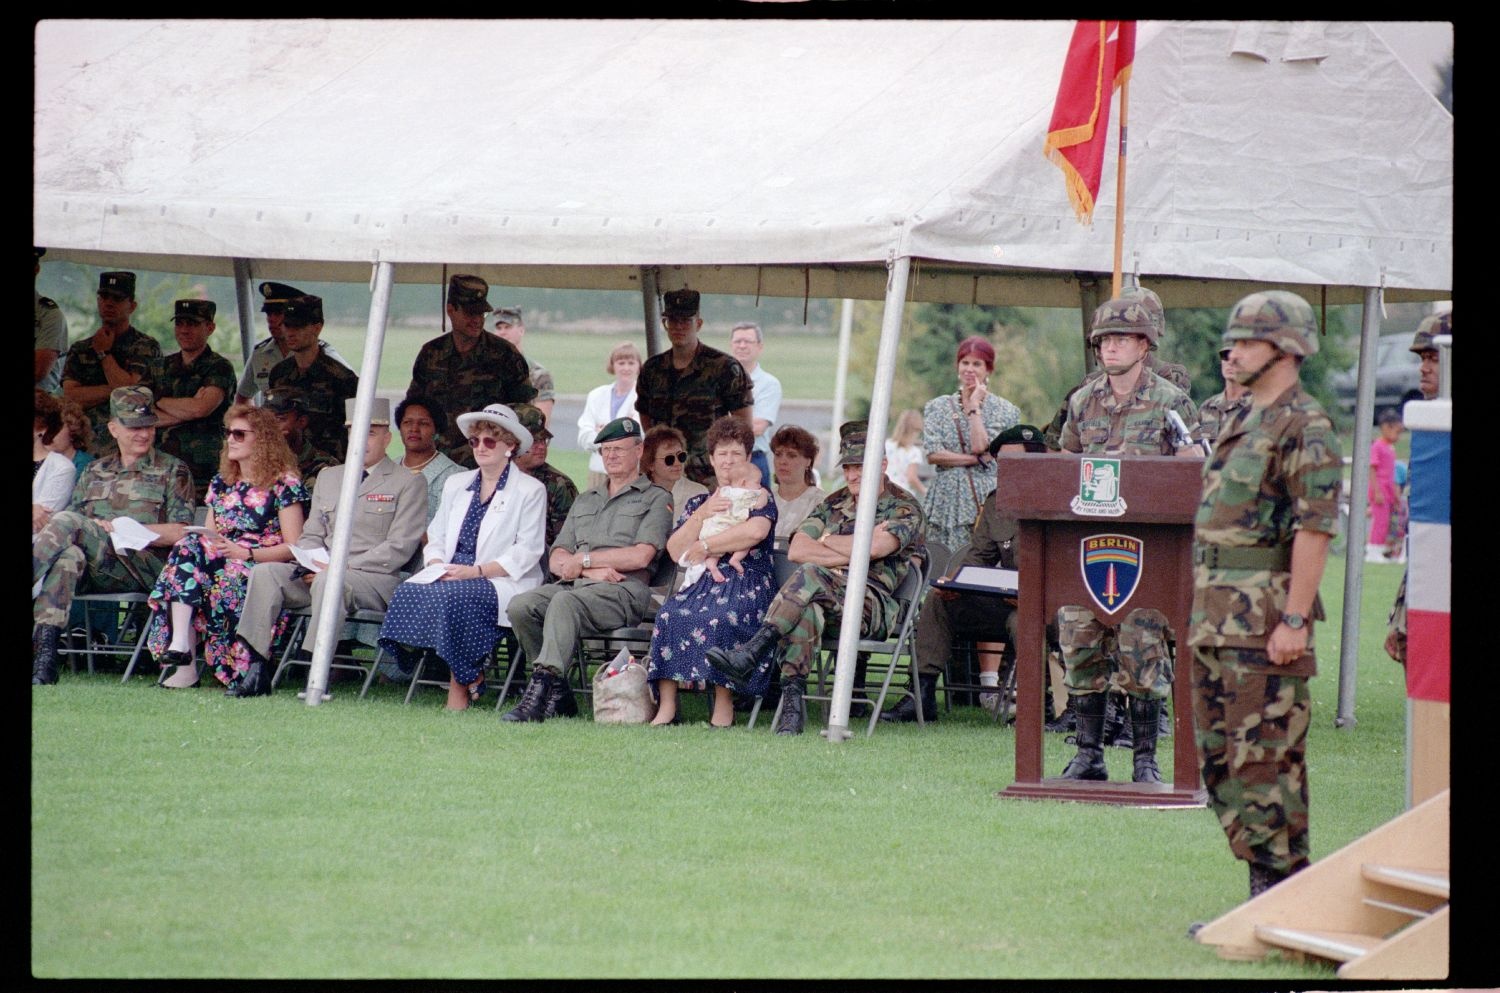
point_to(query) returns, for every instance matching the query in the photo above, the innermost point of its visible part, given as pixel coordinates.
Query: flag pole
(1120, 185)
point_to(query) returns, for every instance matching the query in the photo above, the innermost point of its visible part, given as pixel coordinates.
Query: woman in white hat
(484, 546)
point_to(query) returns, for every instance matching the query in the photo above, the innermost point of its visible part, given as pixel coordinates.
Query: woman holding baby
(729, 537)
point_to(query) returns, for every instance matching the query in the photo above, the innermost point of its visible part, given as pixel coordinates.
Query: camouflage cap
(1137, 311)
(277, 294)
(680, 303)
(852, 441)
(533, 419)
(1278, 316)
(194, 310)
(380, 412)
(119, 283)
(620, 427)
(1021, 434)
(284, 399)
(469, 293)
(508, 315)
(132, 407)
(304, 310)
(1429, 329)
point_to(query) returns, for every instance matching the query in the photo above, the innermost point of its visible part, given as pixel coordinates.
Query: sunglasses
(487, 440)
(238, 434)
(674, 459)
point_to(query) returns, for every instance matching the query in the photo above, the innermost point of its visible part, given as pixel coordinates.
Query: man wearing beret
(290, 408)
(193, 393)
(467, 369)
(691, 385)
(50, 339)
(325, 384)
(510, 326)
(947, 614)
(115, 355)
(561, 491)
(73, 553)
(267, 353)
(812, 601)
(603, 560)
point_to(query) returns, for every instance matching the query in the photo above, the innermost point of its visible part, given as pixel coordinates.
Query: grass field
(184, 834)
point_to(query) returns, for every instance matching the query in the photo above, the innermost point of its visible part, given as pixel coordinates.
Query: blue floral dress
(215, 586)
(708, 615)
(457, 618)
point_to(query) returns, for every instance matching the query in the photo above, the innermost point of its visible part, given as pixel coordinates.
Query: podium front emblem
(1098, 488)
(1111, 566)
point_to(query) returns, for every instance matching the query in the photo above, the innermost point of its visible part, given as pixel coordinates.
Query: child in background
(1382, 487)
(903, 453)
(745, 494)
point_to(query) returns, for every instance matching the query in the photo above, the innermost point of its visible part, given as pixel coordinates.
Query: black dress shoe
(256, 681)
(170, 662)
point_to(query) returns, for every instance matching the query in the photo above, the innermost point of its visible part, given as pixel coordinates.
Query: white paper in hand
(129, 535)
(311, 559)
(431, 574)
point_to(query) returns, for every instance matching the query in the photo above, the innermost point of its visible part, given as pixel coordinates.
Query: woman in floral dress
(725, 605)
(255, 505)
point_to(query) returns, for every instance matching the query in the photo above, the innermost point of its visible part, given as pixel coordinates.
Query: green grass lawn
(185, 834)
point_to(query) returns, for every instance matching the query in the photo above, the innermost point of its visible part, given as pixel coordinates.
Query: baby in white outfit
(745, 494)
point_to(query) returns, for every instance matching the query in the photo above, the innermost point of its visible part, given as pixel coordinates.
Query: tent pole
(872, 480)
(1359, 476)
(651, 302)
(331, 621)
(840, 384)
(246, 306)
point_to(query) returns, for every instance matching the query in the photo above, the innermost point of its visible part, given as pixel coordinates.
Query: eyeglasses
(617, 450)
(674, 458)
(238, 434)
(487, 440)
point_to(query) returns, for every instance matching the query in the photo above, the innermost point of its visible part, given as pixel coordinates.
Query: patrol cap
(380, 412)
(852, 441)
(194, 310)
(680, 303)
(468, 293)
(304, 310)
(1021, 434)
(1134, 312)
(502, 416)
(620, 427)
(276, 295)
(132, 406)
(508, 315)
(534, 420)
(1278, 316)
(284, 399)
(121, 284)
(1430, 328)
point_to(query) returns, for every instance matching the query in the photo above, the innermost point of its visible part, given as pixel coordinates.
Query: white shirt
(765, 405)
(595, 415)
(52, 486)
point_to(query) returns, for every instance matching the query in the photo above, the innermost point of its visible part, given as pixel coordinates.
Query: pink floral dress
(215, 585)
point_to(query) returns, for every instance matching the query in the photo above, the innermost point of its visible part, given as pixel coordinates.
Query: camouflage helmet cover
(1280, 317)
(1136, 311)
(1430, 328)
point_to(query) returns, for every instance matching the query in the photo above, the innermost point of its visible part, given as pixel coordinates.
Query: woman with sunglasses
(255, 504)
(663, 460)
(484, 546)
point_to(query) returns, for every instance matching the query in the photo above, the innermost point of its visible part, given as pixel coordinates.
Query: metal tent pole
(651, 302)
(246, 306)
(840, 384)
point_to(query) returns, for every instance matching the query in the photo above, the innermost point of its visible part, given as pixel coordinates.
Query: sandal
(476, 690)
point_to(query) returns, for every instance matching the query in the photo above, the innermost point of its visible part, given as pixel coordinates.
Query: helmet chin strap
(1122, 370)
(1250, 380)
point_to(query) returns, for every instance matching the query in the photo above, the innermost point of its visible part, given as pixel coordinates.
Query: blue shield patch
(1111, 566)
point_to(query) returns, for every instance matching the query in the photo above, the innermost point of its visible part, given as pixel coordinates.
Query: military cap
(304, 310)
(508, 315)
(852, 441)
(501, 416)
(194, 310)
(1021, 434)
(468, 292)
(1133, 312)
(1429, 329)
(1280, 317)
(284, 399)
(118, 283)
(380, 411)
(132, 406)
(620, 427)
(680, 303)
(277, 294)
(534, 419)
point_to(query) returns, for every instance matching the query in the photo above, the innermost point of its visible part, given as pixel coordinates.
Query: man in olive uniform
(267, 353)
(466, 369)
(603, 560)
(193, 393)
(290, 408)
(73, 553)
(691, 385)
(325, 384)
(812, 600)
(512, 327)
(561, 491)
(947, 614)
(1268, 512)
(50, 339)
(1123, 412)
(115, 355)
(1223, 406)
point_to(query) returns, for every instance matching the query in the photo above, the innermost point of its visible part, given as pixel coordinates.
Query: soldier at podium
(1123, 412)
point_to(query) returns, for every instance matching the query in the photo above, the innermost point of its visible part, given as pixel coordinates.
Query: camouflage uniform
(264, 357)
(51, 333)
(561, 492)
(312, 460)
(541, 381)
(493, 371)
(1173, 373)
(1215, 412)
(198, 442)
(713, 384)
(811, 601)
(325, 385)
(134, 352)
(73, 554)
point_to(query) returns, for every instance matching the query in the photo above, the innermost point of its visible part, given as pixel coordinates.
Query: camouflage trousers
(1250, 725)
(810, 603)
(73, 554)
(1132, 657)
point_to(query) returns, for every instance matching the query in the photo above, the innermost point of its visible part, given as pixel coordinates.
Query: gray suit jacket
(390, 515)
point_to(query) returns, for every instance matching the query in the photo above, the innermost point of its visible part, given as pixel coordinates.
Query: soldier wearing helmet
(1268, 511)
(1123, 412)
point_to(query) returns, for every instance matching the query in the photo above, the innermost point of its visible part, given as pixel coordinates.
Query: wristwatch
(588, 559)
(1294, 621)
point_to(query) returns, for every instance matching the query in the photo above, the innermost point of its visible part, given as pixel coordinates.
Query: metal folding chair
(131, 617)
(300, 618)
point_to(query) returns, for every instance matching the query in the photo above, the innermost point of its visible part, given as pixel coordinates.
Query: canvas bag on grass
(621, 693)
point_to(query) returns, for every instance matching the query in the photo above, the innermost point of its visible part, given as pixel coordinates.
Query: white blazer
(513, 531)
(595, 415)
(52, 486)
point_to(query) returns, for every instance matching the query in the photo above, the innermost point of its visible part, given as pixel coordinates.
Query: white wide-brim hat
(499, 414)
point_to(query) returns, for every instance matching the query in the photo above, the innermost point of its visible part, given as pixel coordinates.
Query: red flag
(1099, 59)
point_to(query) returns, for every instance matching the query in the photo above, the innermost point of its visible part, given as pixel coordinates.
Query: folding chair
(131, 617)
(506, 645)
(294, 637)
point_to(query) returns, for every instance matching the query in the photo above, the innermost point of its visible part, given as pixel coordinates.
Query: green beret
(620, 427)
(1021, 434)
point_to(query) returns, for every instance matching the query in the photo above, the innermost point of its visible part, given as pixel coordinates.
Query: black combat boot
(533, 705)
(44, 655)
(906, 711)
(1089, 762)
(1164, 725)
(560, 700)
(1063, 722)
(1144, 715)
(1117, 731)
(793, 710)
(1263, 878)
(739, 663)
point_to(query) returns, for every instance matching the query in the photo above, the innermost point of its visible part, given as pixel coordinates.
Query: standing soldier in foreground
(1269, 509)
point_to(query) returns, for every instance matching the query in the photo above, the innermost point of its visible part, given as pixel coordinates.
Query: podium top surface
(1145, 489)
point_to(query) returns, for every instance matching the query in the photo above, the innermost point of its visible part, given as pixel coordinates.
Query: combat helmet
(1430, 328)
(1278, 316)
(1135, 311)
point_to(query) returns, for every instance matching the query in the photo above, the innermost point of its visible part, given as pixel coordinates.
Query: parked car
(1397, 376)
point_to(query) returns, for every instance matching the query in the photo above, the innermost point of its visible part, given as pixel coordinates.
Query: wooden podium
(1160, 495)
